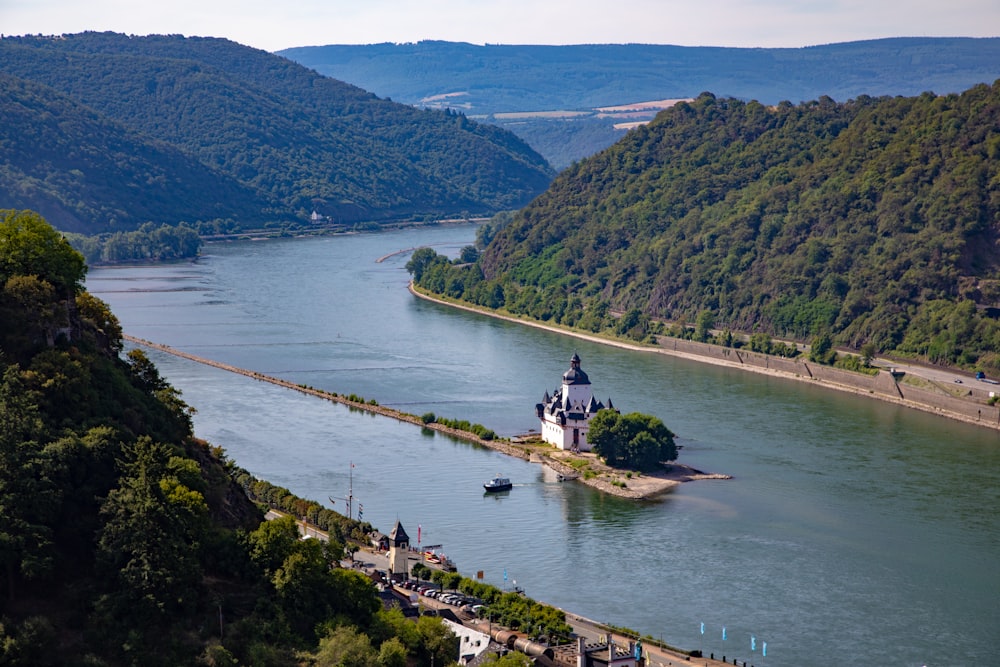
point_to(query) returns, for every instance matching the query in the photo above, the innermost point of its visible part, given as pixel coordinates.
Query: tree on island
(634, 441)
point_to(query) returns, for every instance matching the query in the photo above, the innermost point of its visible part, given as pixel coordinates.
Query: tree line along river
(851, 528)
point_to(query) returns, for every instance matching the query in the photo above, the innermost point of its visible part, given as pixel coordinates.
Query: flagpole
(350, 494)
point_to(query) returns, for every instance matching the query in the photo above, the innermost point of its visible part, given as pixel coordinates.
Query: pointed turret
(398, 536)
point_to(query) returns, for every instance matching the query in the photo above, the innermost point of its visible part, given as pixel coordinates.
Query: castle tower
(399, 551)
(565, 416)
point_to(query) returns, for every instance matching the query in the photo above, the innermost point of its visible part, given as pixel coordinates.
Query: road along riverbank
(370, 562)
(960, 402)
(583, 467)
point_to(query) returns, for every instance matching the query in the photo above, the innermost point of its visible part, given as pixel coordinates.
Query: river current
(853, 531)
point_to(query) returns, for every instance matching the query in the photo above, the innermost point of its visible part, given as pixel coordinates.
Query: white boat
(498, 483)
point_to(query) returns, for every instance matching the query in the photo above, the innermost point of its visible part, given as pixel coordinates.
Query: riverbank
(583, 467)
(926, 394)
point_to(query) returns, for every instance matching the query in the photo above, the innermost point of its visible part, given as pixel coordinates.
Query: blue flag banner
(763, 649)
(753, 643)
(505, 574)
(723, 633)
(702, 628)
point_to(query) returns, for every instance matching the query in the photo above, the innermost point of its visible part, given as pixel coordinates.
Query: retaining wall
(971, 408)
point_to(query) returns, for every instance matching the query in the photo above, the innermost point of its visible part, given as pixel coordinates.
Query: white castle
(565, 415)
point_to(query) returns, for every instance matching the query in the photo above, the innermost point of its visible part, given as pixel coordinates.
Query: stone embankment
(501, 446)
(971, 407)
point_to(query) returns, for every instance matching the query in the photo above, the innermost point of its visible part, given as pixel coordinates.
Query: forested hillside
(127, 541)
(85, 171)
(874, 221)
(280, 140)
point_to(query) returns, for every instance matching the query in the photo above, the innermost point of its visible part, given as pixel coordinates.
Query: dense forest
(90, 173)
(125, 540)
(149, 243)
(167, 129)
(484, 81)
(871, 223)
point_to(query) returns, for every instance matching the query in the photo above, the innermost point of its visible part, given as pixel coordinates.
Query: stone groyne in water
(603, 478)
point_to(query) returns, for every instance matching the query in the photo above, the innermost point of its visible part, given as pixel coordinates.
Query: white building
(471, 642)
(565, 416)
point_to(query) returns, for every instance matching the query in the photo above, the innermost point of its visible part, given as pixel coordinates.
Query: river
(853, 531)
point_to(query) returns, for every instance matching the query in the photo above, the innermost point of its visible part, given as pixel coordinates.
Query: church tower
(399, 551)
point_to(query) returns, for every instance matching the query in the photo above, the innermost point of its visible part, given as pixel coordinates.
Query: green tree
(345, 647)
(438, 644)
(703, 325)
(354, 596)
(34, 303)
(26, 497)
(272, 542)
(821, 349)
(150, 541)
(29, 246)
(468, 255)
(451, 580)
(635, 441)
(305, 589)
(392, 653)
(97, 313)
(148, 378)
(421, 260)
(420, 571)
(509, 659)
(391, 623)
(868, 353)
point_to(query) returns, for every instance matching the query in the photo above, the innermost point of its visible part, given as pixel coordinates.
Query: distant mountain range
(103, 132)
(488, 81)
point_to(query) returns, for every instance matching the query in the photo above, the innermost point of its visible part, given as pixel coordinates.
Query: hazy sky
(278, 24)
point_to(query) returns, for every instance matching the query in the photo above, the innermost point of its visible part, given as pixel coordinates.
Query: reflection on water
(849, 524)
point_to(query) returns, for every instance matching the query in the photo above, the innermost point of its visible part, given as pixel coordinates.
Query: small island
(632, 455)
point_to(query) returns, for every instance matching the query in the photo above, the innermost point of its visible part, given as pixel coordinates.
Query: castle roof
(575, 374)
